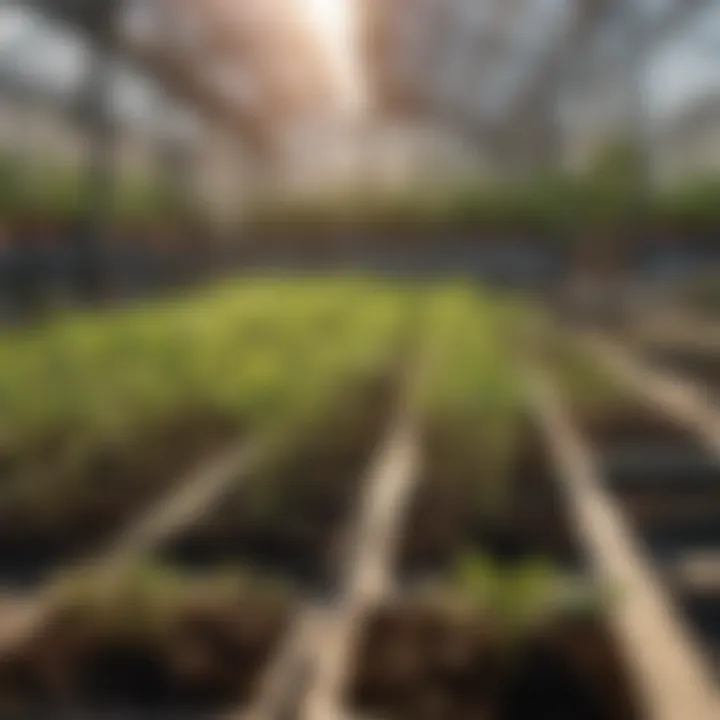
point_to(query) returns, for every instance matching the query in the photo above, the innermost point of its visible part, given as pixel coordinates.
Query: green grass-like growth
(543, 206)
(471, 398)
(610, 201)
(57, 193)
(150, 599)
(472, 367)
(254, 355)
(520, 598)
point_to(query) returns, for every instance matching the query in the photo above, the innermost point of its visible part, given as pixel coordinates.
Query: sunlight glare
(334, 23)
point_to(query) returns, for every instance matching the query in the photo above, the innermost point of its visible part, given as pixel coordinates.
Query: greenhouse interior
(379, 341)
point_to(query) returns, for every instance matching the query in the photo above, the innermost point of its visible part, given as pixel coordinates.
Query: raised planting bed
(290, 518)
(670, 488)
(485, 484)
(668, 485)
(151, 644)
(641, 449)
(484, 612)
(495, 617)
(44, 527)
(438, 660)
(471, 499)
(106, 414)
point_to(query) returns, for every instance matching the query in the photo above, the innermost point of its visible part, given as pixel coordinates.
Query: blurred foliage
(693, 205)
(258, 353)
(465, 207)
(147, 600)
(521, 597)
(473, 369)
(612, 195)
(58, 193)
(471, 396)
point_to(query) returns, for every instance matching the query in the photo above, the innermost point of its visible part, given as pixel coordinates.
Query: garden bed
(104, 416)
(471, 501)
(495, 616)
(289, 520)
(658, 467)
(44, 526)
(668, 484)
(421, 661)
(698, 364)
(154, 644)
(486, 486)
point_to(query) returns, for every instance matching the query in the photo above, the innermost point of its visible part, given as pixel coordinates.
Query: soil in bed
(704, 609)
(289, 520)
(461, 506)
(666, 480)
(630, 423)
(208, 657)
(700, 365)
(59, 514)
(418, 662)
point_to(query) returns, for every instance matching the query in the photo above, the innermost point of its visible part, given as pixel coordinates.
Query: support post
(98, 124)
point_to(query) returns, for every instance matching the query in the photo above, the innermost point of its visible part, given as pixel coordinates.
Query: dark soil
(418, 663)
(666, 481)
(208, 658)
(701, 365)
(634, 424)
(511, 514)
(73, 512)
(704, 611)
(289, 520)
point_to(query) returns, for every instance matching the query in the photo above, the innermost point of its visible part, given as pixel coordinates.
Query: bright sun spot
(335, 24)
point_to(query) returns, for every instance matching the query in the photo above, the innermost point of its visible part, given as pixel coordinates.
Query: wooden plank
(298, 675)
(183, 505)
(285, 678)
(373, 546)
(664, 661)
